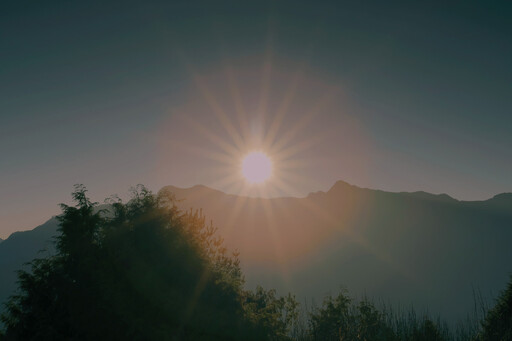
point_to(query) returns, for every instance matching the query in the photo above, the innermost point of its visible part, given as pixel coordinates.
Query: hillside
(20, 248)
(408, 248)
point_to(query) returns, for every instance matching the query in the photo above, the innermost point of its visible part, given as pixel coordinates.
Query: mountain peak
(192, 188)
(503, 200)
(192, 192)
(430, 196)
(202, 187)
(341, 185)
(502, 197)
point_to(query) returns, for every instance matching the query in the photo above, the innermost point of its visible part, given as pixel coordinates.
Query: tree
(340, 318)
(141, 270)
(333, 320)
(274, 315)
(497, 325)
(427, 331)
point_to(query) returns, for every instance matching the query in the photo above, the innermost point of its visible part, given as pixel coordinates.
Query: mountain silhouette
(428, 250)
(22, 247)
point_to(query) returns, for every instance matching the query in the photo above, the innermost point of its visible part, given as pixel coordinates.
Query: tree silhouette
(274, 315)
(340, 318)
(427, 331)
(141, 271)
(144, 270)
(497, 325)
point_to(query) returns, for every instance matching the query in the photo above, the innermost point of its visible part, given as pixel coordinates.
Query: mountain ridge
(503, 198)
(372, 241)
(340, 184)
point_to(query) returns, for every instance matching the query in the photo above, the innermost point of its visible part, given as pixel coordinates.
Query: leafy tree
(333, 320)
(370, 323)
(141, 271)
(275, 315)
(144, 270)
(497, 325)
(427, 331)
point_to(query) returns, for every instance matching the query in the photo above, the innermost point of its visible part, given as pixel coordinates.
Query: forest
(146, 270)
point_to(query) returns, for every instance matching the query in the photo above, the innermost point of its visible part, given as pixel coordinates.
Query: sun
(256, 167)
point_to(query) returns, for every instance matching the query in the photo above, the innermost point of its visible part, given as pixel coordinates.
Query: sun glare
(256, 167)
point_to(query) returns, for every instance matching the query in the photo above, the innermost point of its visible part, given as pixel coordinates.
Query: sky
(398, 97)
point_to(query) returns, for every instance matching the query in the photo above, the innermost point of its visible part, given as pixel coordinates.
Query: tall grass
(362, 319)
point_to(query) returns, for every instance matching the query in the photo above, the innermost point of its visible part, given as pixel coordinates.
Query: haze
(385, 95)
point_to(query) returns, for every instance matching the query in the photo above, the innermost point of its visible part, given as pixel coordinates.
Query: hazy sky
(382, 95)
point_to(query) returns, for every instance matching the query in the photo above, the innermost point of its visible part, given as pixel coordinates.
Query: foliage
(141, 270)
(275, 315)
(144, 270)
(340, 319)
(497, 326)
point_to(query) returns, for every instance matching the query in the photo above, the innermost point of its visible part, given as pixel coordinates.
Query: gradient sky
(382, 95)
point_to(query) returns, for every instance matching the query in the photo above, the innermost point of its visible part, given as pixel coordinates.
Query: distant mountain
(408, 248)
(22, 247)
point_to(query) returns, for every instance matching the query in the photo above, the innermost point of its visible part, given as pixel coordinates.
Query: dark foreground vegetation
(144, 270)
